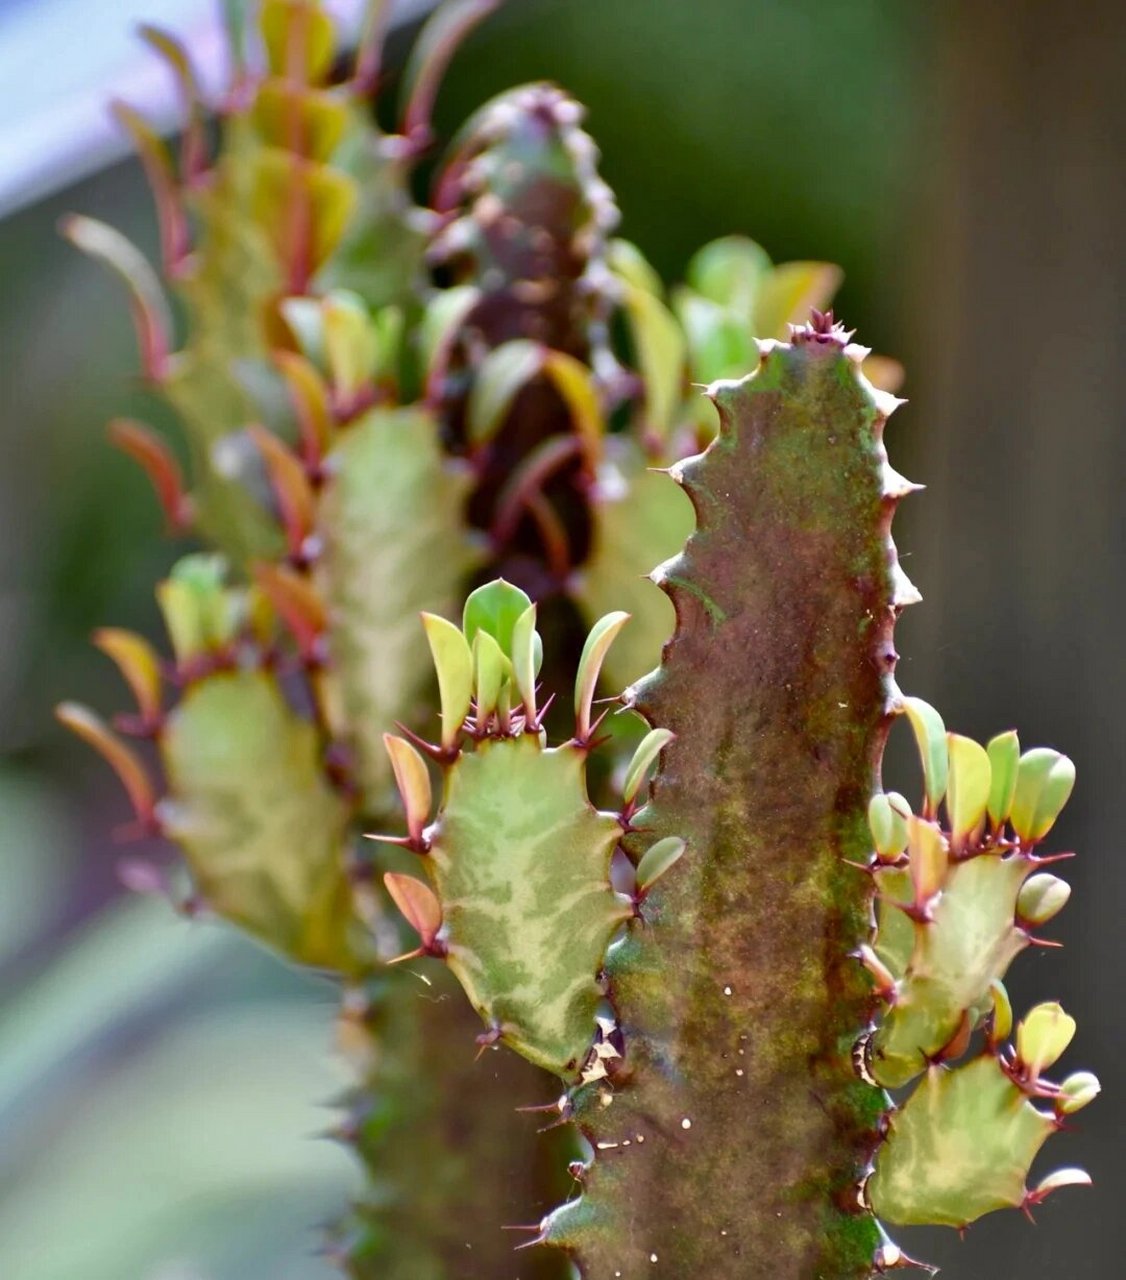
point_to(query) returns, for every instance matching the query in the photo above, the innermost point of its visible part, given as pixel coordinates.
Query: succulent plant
(399, 416)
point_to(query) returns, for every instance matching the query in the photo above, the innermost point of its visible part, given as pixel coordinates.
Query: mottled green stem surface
(733, 1138)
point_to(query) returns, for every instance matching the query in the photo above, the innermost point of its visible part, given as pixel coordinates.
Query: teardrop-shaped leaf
(930, 738)
(968, 786)
(453, 661)
(492, 671)
(1041, 897)
(1043, 1036)
(658, 859)
(597, 645)
(1004, 760)
(295, 600)
(1045, 779)
(418, 903)
(290, 483)
(494, 608)
(730, 271)
(413, 780)
(888, 827)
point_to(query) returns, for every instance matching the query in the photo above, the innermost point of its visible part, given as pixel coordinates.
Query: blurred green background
(159, 1080)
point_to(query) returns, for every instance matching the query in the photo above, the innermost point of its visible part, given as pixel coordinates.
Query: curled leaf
(597, 645)
(656, 860)
(138, 663)
(649, 748)
(930, 738)
(121, 759)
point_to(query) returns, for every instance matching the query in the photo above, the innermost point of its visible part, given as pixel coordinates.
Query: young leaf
(494, 608)
(647, 752)
(1004, 759)
(590, 667)
(656, 860)
(413, 781)
(930, 737)
(453, 661)
(1045, 779)
(417, 902)
(968, 787)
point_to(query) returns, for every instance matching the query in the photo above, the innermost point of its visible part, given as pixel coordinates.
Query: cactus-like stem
(737, 1130)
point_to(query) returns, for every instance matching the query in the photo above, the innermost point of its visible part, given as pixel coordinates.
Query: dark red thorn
(1042, 942)
(522, 1226)
(1048, 858)
(437, 753)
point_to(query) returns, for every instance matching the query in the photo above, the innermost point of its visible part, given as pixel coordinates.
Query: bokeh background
(160, 1081)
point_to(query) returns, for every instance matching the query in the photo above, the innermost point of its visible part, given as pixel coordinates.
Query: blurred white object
(61, 61)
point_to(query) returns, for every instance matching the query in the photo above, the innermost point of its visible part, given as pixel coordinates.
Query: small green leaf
(1077, 1091)
(590, 667)
(453, 661)
(1041, 897)
(658, 859)
(1043, 1037)
(493, 669)
(967, 793)
(1004, 758)
(494, 608)
(647, 752)
(502, 375)
(930, 737)
(527, 652)
(888, 827)
(1045, 779)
